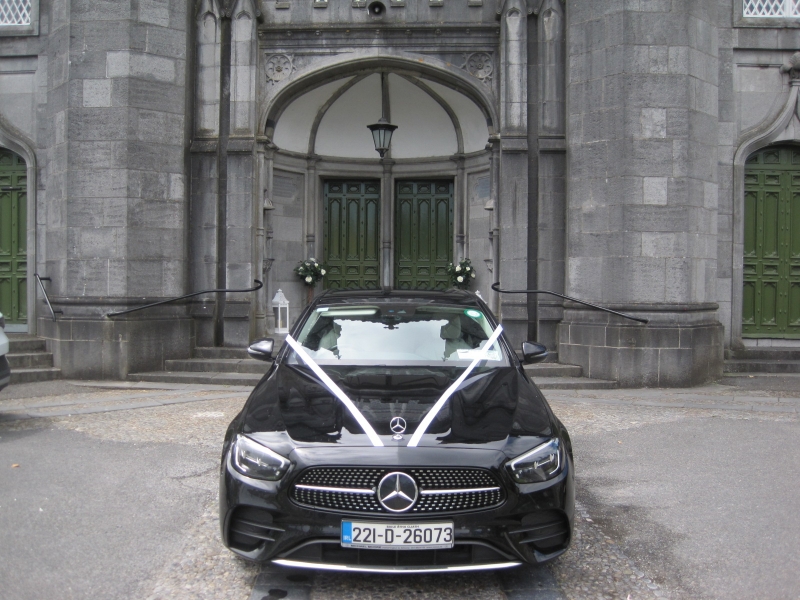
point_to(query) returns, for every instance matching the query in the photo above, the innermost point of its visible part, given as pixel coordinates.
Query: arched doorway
(13, 241)
(771, 294)
(397, 221)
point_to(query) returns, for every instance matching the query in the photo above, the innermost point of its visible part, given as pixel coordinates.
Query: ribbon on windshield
(336, 390)
(423, 427)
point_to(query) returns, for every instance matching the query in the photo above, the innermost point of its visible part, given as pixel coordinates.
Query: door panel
(771, 299)
(13, 238)
(351, 234)
(423, 234)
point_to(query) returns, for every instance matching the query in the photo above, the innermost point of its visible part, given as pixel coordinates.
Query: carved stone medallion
(480, 65)
(279, 67)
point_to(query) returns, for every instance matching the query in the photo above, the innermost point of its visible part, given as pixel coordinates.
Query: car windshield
(402, 335)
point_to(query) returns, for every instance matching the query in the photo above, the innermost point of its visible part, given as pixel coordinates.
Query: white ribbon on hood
(423, 427)
(336, 390)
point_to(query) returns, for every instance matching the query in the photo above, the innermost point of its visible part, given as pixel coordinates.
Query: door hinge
(11, 188)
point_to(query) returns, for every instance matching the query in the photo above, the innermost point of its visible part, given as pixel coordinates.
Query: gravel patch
(204, 569)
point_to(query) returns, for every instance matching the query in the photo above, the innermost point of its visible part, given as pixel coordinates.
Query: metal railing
(496, 288)
(258, 286)
(46, 298)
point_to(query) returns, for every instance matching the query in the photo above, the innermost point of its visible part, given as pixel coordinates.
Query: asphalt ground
(111, 492)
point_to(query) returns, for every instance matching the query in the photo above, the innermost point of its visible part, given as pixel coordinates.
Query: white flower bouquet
(461, 274)
(310, 271)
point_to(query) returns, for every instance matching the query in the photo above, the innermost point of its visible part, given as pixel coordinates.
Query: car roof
(452, 296)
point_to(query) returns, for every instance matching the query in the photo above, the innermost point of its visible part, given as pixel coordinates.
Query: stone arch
(338, 68)
(783, 127)
(306, 138)
(13, 139)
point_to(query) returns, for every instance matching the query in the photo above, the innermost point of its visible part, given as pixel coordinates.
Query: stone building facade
(633, 153)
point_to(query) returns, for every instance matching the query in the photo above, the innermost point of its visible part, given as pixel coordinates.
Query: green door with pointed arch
(13, 242)
(771, 298)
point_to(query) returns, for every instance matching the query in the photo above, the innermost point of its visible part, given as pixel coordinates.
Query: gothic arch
(339, 68)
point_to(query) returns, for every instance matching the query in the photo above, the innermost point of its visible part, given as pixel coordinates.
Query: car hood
(488, 407)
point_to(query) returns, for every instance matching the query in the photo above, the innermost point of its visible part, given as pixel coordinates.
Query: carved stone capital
(792, 67)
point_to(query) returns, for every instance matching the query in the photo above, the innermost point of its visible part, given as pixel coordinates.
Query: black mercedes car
(397, 431)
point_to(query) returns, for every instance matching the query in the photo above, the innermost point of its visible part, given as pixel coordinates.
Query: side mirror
(262, 349)
(533, 352)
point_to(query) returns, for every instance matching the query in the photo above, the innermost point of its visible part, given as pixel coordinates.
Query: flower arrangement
(462, 274)
(310, 271)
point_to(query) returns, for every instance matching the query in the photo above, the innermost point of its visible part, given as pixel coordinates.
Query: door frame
(388, 172)
(14, 140)
(782, 170)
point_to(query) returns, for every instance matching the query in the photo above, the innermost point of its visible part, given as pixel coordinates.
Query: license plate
(397, 536)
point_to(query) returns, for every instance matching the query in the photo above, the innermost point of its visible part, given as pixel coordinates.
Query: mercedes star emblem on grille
(397, 492)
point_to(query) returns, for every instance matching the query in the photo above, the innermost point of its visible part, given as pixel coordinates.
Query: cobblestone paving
(594, 567)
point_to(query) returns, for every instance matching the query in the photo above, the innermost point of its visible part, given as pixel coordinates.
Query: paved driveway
(681, 494)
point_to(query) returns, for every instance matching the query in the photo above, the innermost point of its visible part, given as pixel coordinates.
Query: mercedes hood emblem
(398, 427)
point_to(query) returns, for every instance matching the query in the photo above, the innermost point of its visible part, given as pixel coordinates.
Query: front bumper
(260, 522)
(5, 372)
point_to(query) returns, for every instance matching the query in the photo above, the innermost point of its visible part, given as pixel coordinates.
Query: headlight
(254, 460)
(540, 464)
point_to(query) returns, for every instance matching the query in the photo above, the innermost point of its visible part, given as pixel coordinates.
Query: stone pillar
(642, 192)
(512, 266)
(387, 220)
(550, 237)
(204, 187)
(116, 220)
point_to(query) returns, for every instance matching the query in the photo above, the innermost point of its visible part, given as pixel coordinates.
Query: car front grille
(353, 489)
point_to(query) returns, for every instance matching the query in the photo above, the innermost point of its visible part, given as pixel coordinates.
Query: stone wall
(116, 199)
(642, 134)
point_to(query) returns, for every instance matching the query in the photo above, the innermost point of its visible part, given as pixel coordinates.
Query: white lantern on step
(281, 307)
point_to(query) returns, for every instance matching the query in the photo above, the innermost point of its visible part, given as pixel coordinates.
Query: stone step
(764, 353)
(219, 353)
(32, 375)
(547, 369)
(29, 360)
(247, 379)
(574, 383)
(22, 342)
(762, 366)
(225, 352)
(218, 365)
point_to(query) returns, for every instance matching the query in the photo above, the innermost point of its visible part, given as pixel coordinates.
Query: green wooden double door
(13, 243)
(423, 234)
(771, 300)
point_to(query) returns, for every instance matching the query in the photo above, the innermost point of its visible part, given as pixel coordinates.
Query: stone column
(387, 220)
(642, 194)
(550, 237)
(512, 267)
(116, 219)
